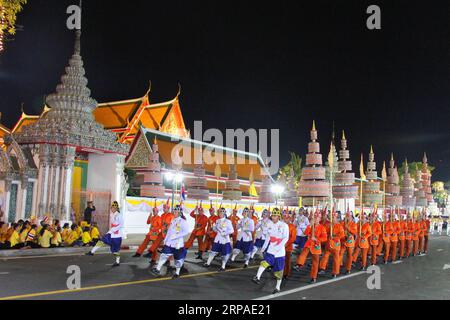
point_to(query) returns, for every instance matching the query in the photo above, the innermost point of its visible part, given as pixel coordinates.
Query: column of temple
(407, 189)
(313, 187)
(372, 194)
(344, 184)
(393, 197)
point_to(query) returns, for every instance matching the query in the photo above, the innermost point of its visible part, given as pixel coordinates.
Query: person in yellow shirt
(72, 237)
(95, 234)
(79, 231)
(14, 239)
(45, 237)
(24, 232)
(57, 239)
(31, 240)
(3, 231)
(65, 232)
(86, 237)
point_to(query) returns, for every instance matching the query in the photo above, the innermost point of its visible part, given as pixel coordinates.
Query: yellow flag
(331, 156)
(252, 190)
(300, 202)
(361, 169)
(383, 172)
(218, 171)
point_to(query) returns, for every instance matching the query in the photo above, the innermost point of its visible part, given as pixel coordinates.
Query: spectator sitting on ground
(95, 234)
(3, 230)
(14, 239)
(31, 240)
(72, 237)
(86, 238)
(57, 239)
(65, 232)
(24, 232)
(45, 236)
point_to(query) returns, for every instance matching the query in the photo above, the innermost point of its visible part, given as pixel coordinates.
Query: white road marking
(446, 266)
(3, 273)
(440, 250)
(322, 283)
(397, 262)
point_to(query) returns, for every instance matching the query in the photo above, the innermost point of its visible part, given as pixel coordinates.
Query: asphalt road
(45, 278)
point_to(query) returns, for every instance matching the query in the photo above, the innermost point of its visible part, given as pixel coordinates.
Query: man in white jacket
(261, 232)
(114, 236)
(174, 243)
(222, 243)
(278, 235)
(244, 243)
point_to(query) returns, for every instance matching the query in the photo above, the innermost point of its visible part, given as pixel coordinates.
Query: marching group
(276, 236)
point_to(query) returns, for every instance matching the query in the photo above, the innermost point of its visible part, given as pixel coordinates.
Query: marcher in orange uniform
(426, 233)
(201, 222)
(155, 222)
(210, 233)
(387, 232)
(409, 235)
(402, 237)
(415, 237)
(350, 230)
(422, 228)
(166, 219)
(234, 221)
(333, 247)
(375, 238)
(316, 235)
(396, 230)
(288, 219)
(362, 241)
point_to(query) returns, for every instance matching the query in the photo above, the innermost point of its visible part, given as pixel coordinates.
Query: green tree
(413, 168)
(8, 17)
(294, 164)
(130, 175)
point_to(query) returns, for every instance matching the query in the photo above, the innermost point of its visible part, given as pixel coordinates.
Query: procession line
(310, 286)
(114, 285)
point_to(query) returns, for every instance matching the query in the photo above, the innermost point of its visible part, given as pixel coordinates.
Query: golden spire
(314, 125)
(343, 135)
(392, 156)
(371, 149)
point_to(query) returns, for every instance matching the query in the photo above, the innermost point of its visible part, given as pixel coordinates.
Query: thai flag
(183, 193)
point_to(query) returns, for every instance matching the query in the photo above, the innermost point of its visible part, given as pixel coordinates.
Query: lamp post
(278, 191)
(175, 178)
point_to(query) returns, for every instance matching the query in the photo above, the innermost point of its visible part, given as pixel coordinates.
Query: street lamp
(176, 179)
(278, 191)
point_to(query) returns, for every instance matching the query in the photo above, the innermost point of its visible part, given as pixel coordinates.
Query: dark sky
(254, 64)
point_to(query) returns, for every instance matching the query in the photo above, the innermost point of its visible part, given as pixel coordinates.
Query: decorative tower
(344, 187)
(371, 189)
(291, 195)
(393, 197)
(266, 195)
(426, 179)
(197, 186)
(419, 193)
(407, 189)
(313, 186)
(232, 189)
(153, 180)
(333, 153)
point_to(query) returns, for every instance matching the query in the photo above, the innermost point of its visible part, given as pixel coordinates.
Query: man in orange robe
(422, 228)
(201, 221)
(234, 222)
(333, 247)
(396, 230)
(316, 235)
(387, 232)
(362, 242)
(402, 237)
(375, 238)
(210, 233)
(350, 230)
(166, 219)
(415, 237)
(409, 235)
(155, 222)
(288, 219)
(426, 233)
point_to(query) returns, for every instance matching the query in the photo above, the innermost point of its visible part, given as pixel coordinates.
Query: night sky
(254, 64)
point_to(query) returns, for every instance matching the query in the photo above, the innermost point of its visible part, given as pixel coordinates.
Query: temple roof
(167, 143)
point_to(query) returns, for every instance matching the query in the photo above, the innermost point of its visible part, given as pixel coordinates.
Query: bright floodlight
(179, 177)
(277, 189)
(169, 176)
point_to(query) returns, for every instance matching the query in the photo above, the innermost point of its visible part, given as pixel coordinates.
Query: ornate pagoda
(371, 194)
(344, 183)
(419, 193)
(197, 185)
(426, 179)
(407, 188)
(290, 196)
(232, 190)
(313, 187)
(266, 194)
(153, 186)
(393, 197)
(69, 132)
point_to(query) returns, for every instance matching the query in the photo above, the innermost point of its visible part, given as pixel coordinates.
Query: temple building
(313, 187)
(393, 198)
(344, 188)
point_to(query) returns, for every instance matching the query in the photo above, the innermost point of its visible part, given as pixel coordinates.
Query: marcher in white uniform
(244, 243)
(222, 243)
(114, 236)
(261, 232)
(301, 223)
(174, 243)
(440, 224)
(278, 236)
